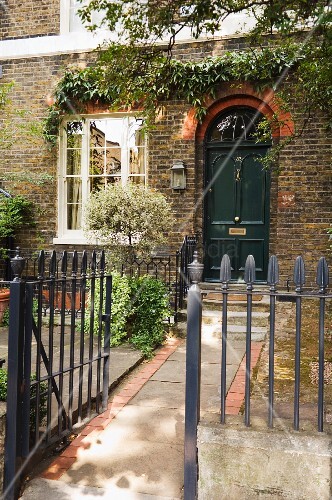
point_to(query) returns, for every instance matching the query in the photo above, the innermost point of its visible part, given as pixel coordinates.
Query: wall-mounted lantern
(178, 175)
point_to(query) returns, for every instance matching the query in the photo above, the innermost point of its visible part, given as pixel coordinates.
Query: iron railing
(58, 367)
(194, 315)
(159, 267)
(184, 257)
(156, 266)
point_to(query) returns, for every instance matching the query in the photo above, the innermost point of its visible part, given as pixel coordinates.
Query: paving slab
(171, 371)
(161, 395)
(59, 490)
(160, 425)
(137, 466)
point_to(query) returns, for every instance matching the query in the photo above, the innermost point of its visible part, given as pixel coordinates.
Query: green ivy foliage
(147, 78)
(121, 306)
(15, 213)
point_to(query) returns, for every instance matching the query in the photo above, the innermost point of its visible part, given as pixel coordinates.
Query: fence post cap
(195, 269)
(17, 264)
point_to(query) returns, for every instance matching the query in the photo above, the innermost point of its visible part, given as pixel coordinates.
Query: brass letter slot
(239, 231)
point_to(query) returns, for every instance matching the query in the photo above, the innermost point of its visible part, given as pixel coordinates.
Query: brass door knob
(236, 219)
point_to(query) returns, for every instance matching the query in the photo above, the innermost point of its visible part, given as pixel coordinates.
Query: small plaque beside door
(239, 231)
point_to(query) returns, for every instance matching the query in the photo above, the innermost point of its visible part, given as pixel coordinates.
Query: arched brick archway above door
(266, 103)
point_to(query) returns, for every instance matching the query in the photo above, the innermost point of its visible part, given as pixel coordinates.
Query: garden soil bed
(284, 366)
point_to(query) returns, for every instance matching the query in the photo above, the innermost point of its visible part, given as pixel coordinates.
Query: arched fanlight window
(236, 124)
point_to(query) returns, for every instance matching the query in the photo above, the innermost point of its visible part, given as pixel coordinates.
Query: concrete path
(135, 449)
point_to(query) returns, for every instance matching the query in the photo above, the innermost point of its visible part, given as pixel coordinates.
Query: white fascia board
(50, 45)
(83, 41)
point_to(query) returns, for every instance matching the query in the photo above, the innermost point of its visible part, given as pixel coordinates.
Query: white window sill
(72, 240)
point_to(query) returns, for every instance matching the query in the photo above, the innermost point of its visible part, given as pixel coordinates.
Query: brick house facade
(34, 51)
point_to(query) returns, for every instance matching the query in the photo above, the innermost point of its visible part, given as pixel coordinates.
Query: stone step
(235, 317)
(234, 332)
(236, 306)
(260, 302)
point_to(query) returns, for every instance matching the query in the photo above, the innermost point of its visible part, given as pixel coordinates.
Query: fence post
(193, 378)
(13, 441)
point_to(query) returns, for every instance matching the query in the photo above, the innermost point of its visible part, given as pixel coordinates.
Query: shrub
(5, 320)
(15, 213)
(121, 304)
(150, 307)
(129, 220)
(43, 396)
(139, 308)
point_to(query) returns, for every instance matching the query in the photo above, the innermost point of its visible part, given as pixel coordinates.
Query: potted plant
(4, 302)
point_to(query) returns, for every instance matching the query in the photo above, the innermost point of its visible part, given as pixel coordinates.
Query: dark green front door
(237, 210)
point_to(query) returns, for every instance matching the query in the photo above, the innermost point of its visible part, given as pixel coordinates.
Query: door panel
(251, 247)
(252, 187)
(236, 209)
(222, 177)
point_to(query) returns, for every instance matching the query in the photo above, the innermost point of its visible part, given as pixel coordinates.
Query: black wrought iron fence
(184, 257)
(320, 296)
(156, 266)
(58, 366)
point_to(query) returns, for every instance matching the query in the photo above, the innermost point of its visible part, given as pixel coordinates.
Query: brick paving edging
(235, 395)
(66, 459)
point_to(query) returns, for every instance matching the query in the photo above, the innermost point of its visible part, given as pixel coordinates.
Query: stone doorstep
(235, 317)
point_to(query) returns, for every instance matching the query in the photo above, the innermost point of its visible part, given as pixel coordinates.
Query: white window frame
(65, 28)
(76, 236)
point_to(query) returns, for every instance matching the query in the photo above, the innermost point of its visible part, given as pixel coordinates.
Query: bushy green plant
(121, 305)
(5, 320)
(150, 301)
(43, 396)
(139, 308)
(3, 384)
(15, 213)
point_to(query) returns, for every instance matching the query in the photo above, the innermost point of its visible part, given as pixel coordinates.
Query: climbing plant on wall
(290, 36)
(146, 85)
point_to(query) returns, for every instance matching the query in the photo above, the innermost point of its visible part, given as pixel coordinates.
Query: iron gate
(59, 335)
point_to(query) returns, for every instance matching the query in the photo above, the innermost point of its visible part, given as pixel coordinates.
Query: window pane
(107, 132)
(113, 161)
(96, 162)
(137, 161)
(137, 179)
(97, 183)
(74, 203)
(74, 134)
(97, 136)
(73, 162)
(236, 124)
(75, 23)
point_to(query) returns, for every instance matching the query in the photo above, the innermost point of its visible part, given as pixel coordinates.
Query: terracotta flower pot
(4, 302)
